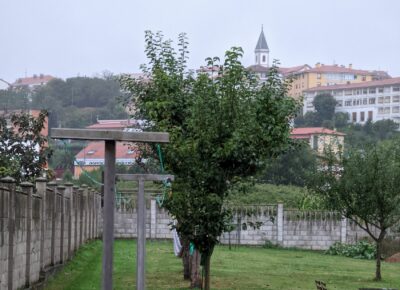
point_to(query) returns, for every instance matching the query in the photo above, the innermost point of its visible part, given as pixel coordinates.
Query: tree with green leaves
(324, 105)
(291, 168)
(323, 115)
(23, 149)
(364, 186)
(222, 129)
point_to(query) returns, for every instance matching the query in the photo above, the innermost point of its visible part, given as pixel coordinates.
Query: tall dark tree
(364, 187)
(324, 105)
(221, 128)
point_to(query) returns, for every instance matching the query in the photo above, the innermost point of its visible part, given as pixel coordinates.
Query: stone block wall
(40, 227)
(316, 230)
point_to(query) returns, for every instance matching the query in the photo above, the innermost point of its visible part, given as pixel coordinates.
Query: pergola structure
(111, 137)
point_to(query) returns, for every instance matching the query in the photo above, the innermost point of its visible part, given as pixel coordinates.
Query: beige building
(320, 139)
(325, 75)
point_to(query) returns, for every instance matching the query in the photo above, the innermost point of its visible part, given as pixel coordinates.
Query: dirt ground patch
(394, 258)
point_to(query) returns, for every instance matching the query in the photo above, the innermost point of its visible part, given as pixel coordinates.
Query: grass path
(240, 268)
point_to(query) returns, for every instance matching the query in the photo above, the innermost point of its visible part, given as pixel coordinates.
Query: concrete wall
(316, 230)
(41, 227)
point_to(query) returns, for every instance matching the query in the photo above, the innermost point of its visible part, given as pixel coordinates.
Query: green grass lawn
(239, 268)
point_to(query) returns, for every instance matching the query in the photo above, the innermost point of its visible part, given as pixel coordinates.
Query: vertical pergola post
(141, 220)
(108, 217)
(110, 137)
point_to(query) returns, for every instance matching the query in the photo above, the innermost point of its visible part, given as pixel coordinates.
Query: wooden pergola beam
(92, 134)
(147, 177)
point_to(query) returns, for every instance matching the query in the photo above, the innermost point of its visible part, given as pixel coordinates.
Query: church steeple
(262, 51)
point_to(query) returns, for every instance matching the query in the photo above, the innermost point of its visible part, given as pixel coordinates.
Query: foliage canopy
(364, 186)
(222, 128)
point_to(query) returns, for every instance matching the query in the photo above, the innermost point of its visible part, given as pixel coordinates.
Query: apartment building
(373, 100)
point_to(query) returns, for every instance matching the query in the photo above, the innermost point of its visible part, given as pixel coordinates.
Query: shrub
(360, 250)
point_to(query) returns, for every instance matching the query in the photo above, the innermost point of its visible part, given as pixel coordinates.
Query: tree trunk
(195, 279)
(207, 268)
(378, 276)
(185, 259)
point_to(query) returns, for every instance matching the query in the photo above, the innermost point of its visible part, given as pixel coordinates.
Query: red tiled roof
(294, 69)
(112, 124)
(392, 81)
(35, 80)
(306, 132)
(337, 69)
(95, 150)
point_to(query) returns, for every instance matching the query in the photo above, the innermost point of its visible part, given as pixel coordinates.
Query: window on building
(362, 116)
(347, 103)
(386, 90)
(380, 110)
(319, 76)
(395, 109)
(370, 115)
(365, 101)
(364, 78)
(315, 142)
(263, 58)
(354, 117)
(387, 99)
(380, 90)
(348, 92)
(372, 90)
(380, 100)
(387, 110)
(365, 91)
(339, 103)
(395, 99)
(371, 101)
(396, 89)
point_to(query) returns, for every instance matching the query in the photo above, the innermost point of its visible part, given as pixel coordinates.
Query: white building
(374, 100)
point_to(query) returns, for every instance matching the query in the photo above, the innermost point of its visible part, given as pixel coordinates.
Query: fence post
(153, 218)
(10, 184)
(76, 214)
(89, 212)
(280, 224)
(343, 230)
(80, 200)
(53, 209)
(85, 211)
(93, 206)
(69, 194)
(41, 190)
(27, 188)
(61, 191)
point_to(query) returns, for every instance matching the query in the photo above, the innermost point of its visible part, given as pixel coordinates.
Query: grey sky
(65, 38)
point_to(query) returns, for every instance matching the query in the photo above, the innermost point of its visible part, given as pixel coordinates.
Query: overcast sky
(67, 38)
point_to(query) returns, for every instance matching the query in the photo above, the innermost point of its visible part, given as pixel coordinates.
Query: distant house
(92, 156)
(320, 138)
(32, 82)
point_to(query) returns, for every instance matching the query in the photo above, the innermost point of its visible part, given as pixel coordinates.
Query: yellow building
(326, 75)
